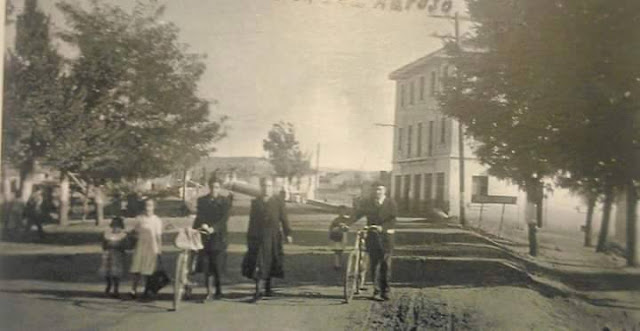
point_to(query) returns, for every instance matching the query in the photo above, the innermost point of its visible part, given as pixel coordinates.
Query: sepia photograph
(320, 165)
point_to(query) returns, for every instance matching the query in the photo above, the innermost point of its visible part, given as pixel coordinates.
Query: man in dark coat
(268, 227)
(35, 212)
(380, 212)
(213, 213)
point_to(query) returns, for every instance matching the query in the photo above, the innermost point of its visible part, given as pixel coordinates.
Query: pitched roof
(410, 68)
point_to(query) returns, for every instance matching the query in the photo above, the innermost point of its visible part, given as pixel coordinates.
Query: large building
(426, 154)
(425, 174)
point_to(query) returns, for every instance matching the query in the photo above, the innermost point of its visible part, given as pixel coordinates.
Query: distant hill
(245, 166)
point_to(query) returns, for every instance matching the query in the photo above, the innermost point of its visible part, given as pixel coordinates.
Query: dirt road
(444, 279)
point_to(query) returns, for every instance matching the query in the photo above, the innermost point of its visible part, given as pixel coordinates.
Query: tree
(133, 109)
(32, 94)
(284, 151)
(545, 86)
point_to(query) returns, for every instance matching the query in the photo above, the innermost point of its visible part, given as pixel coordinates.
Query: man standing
(213, 210)
(381, 217)
(34, 211)
(268, 227)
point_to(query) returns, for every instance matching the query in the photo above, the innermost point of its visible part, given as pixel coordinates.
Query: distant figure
(268, 227)
(380, 212)
(338, 237)
(148, 230)
(113, 253)
(15, 214)
(34, 211)
(213, 211)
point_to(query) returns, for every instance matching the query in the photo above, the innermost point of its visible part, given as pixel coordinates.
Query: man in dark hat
(268, 228)
(380, 212)
(213, 212)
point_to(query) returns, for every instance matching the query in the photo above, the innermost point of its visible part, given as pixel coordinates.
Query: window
(428, 186)
(402, 95)
(433, 83)
(400, 139)
(480, 185)
(430, 146)
(412, 88)
(445, 75)
(440, 186)
(421, 88)
(417, 181)
(443, 124)
(419, 148)
(409, 140)
(407, 187)
(398, 187)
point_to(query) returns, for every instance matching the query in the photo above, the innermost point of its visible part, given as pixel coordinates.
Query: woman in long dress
(148, 246)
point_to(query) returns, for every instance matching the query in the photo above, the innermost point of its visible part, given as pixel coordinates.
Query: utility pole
(317, 170)
(463, 220)
(4, 190)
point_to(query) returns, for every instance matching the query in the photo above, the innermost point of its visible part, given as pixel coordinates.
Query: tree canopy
(284, 151)
(132, 89)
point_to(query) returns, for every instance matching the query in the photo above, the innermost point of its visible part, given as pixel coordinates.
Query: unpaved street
(444, 279)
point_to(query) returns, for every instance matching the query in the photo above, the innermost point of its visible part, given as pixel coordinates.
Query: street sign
(495, 199)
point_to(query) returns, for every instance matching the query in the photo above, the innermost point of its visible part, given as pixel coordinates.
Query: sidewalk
(568, 268)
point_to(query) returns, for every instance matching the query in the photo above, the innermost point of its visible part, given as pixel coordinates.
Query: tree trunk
(539, 205)
(531, 219)
(533, 239)
(6, 184)
(591, 205)
(27, 173)
(85, 201)
(184, 186)
(64, 199)
(632, 240)
(606, 216)
(99, 202)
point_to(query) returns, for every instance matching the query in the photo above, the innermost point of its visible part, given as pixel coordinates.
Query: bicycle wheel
(179, 281)
(350, 276)
(363, 266)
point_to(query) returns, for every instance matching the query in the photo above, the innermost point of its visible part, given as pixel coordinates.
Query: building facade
(425, 173)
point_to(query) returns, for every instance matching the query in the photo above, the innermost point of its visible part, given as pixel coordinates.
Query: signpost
(494, 199)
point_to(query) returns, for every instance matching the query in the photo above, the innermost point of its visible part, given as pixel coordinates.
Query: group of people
(20, 216)
(268, 230)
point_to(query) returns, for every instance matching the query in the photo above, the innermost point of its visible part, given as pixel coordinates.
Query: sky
(320, 65)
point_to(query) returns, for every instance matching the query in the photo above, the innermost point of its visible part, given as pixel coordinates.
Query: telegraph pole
(463, 221)
(4, 190)
(317, 170)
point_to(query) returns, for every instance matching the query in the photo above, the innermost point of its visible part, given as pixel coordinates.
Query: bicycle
(189, 241)
(357, 265)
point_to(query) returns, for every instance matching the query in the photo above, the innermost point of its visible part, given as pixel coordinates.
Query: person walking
(380, 212)
(213, 210)
(34, 211)
(268, 228)
(148, 231)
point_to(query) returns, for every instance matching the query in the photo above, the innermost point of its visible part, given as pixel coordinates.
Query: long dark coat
(268, 225)
(215, 213)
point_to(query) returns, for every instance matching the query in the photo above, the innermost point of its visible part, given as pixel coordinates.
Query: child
(337, 236)
(113, 246)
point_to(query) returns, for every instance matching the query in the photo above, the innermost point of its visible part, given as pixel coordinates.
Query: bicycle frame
(356, 267)
(181, 285)
(181, 282)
